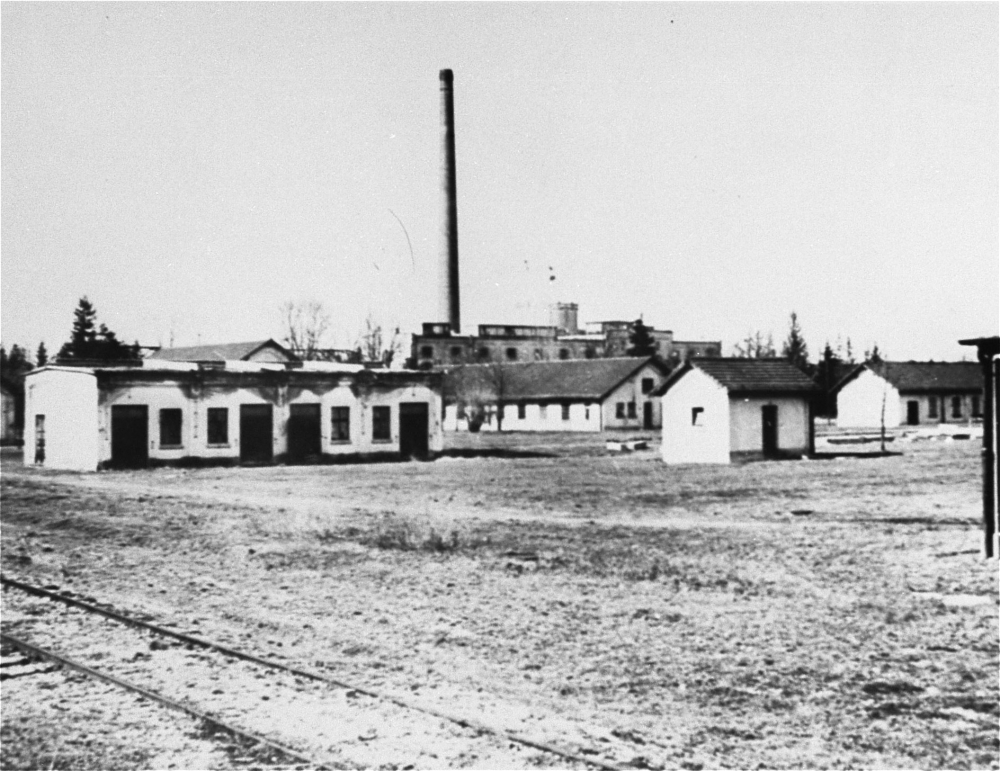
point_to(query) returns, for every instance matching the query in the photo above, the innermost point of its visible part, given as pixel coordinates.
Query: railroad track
(288, 711)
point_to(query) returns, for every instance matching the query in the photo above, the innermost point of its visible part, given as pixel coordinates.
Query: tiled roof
(218, 352)
(575, 379)
(772, 376)
(914, 376)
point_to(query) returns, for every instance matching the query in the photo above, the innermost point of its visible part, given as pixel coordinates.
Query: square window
(456, 352)
(565, 412)
(512, 354)
(426, 352)
(340, 426)
(170, 428)
(647, 384)
(218, 425)
(631, 409)
(381, 418)
(564, 353)
(620, 410)
(697, 416)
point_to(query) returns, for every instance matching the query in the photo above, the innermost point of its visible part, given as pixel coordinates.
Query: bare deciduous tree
(375, 345)
(306, 323)
(756, 346)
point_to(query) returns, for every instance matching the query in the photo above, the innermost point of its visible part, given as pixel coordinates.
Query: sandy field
(793, 614)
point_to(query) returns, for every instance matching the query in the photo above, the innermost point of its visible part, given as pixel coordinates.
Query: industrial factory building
(580, 395)
(561, 340)
(161, 412)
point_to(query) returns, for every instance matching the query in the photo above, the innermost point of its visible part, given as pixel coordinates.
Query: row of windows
(622, 407)
(956, 407)
(171, 421)
(511, 354)
(543, 411)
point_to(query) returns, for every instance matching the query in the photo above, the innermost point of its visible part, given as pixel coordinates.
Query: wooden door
(304, 435)
(414, 423)
(130, 436)
(769, 422)
(256, 433)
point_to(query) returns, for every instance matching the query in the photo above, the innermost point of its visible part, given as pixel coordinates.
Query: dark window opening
(381, 431)
(956, 406)
(932, 410)
(426, 352)
(977, 409)
(218, 425)
(170, 428)
(512, 354)
(484, 353)
(565, 412)
(564, 353)
(590, 353)
(521, 411)
(620, 410)
(697, 415)
(631, 409)
(456, 352)
(340, 426)
(647, 384)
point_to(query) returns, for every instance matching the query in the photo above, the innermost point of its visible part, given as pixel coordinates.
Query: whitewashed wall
(746, 424)
(683, 440)
(582, 417)
(68, 400)
(859, 403)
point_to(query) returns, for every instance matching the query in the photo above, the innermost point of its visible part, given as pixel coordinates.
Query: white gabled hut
(912, 393)
(714, 409)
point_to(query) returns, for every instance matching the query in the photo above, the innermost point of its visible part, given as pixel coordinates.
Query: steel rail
(464, 722)
(33, 650)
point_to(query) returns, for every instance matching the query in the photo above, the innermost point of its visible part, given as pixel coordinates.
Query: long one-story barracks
(164, 412)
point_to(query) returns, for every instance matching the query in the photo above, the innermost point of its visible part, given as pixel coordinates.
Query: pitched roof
(916, 376)
(573, 379)
(219, 352)
(741, 376)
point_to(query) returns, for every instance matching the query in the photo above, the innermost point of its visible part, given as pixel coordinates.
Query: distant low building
(159, 412)
(562, 340)
(259, 350)
(580, 395)
(717, 409)
(911, 393)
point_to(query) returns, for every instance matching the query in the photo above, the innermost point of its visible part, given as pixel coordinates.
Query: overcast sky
(711, 166)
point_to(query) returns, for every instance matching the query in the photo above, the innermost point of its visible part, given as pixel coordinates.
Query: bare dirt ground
(810, 614)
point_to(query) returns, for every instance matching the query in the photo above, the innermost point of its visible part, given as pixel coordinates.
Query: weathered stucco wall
(746, 432)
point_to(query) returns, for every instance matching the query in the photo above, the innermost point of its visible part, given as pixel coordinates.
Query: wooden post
(988, 350)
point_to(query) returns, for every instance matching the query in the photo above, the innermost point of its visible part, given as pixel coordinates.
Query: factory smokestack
(449, 306)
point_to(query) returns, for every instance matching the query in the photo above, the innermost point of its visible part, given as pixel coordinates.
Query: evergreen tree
(641, 342)
(795, 349)
(827, 372)
(42, 356)
(874, 356)
(88, 343)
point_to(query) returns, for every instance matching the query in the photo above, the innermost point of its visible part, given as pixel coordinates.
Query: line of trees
(306, 327)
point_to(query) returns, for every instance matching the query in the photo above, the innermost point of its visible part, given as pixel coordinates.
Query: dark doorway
(769, 417)
(130, 436)
(913, 413)
(413, 427)
(647, 415)
(304, 438)
(256, 437)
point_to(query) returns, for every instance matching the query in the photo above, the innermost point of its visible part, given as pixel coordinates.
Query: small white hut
(714, 409)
